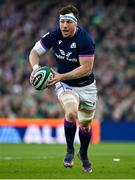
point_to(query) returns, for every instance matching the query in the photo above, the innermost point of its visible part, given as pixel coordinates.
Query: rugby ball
(41, 77)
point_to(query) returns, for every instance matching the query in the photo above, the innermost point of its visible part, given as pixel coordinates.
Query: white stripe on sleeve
(39, 48)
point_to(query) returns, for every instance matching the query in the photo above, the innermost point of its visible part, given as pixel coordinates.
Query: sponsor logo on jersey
(60, 41)
(62, 52)
(68, 54)
(63, 55)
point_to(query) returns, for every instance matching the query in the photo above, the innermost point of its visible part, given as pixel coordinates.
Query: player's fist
(35, 69)
(56, 78)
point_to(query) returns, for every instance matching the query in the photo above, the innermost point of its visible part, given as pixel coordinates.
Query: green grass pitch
(45, 161)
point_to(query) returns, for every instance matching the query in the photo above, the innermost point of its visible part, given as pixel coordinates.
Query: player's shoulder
(84, 35)
(53, 33)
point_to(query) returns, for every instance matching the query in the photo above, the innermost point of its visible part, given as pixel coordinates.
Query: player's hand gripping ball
(41, 77)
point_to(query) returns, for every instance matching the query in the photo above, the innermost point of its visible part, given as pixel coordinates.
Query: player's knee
(85, 126)
(71, 115)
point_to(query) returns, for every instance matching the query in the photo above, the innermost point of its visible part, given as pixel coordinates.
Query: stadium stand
(112, 24)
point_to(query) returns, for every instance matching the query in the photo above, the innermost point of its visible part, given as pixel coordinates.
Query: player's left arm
(85, 68)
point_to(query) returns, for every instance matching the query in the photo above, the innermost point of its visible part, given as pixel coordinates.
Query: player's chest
(66, 50)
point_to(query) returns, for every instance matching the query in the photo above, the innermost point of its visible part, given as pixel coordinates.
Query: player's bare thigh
(70, 102)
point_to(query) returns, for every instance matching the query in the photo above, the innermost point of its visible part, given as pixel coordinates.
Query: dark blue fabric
(67, 51)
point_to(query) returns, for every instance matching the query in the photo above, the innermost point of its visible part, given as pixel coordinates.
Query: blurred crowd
(24, 22)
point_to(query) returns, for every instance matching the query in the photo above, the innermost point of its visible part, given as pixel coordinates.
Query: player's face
(67, 27)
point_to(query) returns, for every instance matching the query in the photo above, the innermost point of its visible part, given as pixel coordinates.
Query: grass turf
(44, 161)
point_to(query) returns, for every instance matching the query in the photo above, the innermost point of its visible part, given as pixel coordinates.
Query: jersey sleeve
(46, 41)
(43, 44)
(86, 46)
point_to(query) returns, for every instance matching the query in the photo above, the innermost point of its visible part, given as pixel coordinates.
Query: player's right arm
(34, 62)
(34, 59)
(38, 50)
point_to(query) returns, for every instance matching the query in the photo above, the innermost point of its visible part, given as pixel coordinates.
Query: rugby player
(75, 85)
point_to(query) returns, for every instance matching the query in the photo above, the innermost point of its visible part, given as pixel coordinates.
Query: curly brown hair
(69, 9)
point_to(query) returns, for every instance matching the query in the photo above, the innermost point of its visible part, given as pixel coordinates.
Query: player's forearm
(77, 73)
(33, 58)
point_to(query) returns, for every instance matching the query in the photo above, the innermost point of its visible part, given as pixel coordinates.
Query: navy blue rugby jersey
(68, 50)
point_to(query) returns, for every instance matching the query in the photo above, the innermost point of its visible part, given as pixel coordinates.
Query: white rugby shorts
(87, 94)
